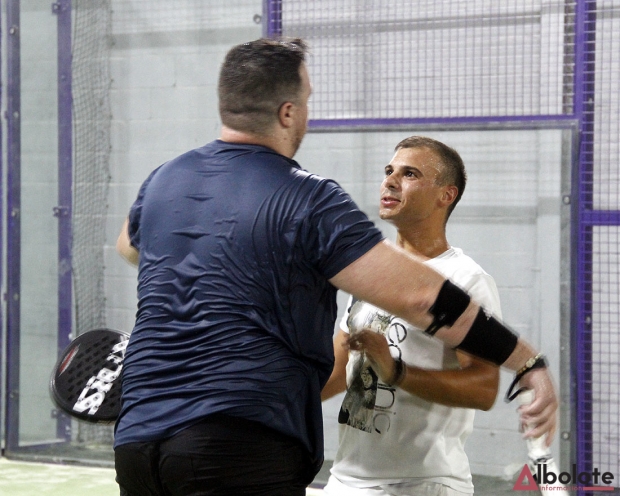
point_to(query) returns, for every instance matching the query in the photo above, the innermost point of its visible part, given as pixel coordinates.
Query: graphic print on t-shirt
(360, 408)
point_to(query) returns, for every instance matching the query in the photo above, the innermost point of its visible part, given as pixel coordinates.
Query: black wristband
(489, 339)
(451, 302)
(537, 362)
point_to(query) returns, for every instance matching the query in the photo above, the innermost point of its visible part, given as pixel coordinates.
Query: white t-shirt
(389, 436)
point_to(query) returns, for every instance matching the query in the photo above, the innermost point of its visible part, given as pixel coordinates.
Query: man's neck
(423, 241)
(271, 140)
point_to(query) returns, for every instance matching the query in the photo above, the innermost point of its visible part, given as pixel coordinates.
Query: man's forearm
(472, 386)
(337, 381)
(395, 281)
(461, 388)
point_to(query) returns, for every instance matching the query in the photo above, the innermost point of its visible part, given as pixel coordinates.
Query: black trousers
(220, 456)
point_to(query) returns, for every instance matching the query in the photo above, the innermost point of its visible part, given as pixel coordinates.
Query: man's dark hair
(256, 78)
(453, 171)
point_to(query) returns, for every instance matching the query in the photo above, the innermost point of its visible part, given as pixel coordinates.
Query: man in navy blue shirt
(240, 255)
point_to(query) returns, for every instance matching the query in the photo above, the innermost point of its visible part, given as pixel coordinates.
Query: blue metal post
(585, 38)
(63, 211)
(272, 18)
(13, 255)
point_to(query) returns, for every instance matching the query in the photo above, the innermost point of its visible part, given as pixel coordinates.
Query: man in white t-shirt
(403, 432)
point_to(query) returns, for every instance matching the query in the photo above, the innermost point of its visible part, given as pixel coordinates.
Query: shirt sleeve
(336, 232)
(484, 290)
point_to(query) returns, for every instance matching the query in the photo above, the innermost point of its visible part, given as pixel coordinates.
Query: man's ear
(286, 113)
(449, 195)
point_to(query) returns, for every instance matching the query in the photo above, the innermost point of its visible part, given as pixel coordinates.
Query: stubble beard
(297, 139)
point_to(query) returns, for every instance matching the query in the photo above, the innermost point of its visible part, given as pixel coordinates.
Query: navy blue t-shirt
(235, 312)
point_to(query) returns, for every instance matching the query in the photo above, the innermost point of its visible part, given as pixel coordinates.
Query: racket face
(85, 382)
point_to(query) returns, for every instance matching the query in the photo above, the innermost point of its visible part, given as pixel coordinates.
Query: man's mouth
(388, 201)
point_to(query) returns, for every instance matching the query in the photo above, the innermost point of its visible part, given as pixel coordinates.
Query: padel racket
(85, 381)
(539, 454)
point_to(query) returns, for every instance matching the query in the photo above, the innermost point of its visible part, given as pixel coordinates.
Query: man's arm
(474, 385)
(395, 281)
(124, 247)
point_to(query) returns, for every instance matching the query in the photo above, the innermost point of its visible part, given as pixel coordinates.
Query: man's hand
(124, 247)
(542, 412)
(377, 350)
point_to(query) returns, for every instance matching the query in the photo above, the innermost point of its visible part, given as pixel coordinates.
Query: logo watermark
(547, 480)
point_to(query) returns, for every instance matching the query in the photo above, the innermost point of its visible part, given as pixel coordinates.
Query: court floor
(19, 478)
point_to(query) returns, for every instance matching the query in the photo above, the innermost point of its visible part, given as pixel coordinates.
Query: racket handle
(537, 451)
(536, 448)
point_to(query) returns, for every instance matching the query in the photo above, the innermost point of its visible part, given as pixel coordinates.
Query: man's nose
(390, 182)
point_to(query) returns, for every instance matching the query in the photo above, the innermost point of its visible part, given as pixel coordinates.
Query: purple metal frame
(272, 18)
(13, 253)
(63, 211)
(583, 222)
(514, 122)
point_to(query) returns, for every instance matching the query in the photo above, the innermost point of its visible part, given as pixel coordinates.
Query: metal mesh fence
(91, 82)
(606, 348)
(598, 299)
(91, 110)
(606, 161)
(160, 16)
(403, 59)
